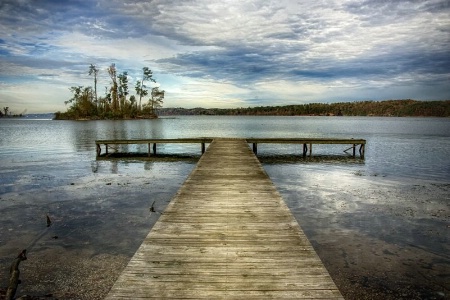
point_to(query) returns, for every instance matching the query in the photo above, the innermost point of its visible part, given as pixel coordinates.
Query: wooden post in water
(106, 149)
(362, 149)
(354, 150)
(305, 149)
(154, 149)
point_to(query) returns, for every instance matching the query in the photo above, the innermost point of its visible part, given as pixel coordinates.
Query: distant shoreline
(388, 108)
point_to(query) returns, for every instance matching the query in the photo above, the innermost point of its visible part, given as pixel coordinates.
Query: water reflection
(83, 134)
(375, 223)
(333, 160)
(365, 225)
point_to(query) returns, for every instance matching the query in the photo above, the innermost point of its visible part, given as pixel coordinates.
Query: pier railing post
(255, 148)
(154, 149)
(203, 148)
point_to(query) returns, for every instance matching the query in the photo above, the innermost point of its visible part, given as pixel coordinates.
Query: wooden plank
(227, 234)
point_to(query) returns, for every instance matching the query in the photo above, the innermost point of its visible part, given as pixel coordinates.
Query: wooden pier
(227, 234)
(306, 142)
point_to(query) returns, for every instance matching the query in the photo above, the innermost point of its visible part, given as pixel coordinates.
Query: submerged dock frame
(150, 142)
(306, 142)
(310, 142)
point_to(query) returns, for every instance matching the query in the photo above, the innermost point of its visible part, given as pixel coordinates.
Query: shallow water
(378, 237)
(379, 224)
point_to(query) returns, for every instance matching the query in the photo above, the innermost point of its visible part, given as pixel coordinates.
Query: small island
(6, 113)
(115, 104)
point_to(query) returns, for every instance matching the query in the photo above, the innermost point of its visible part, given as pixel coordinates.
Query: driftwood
(14, 275)
(14, 271)
(152, 208)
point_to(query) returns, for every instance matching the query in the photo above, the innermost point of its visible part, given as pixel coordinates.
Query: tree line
(116, 102)
(397, 108)
(6, 113)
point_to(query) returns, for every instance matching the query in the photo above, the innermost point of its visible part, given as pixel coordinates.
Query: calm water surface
(376, 223)
(403, 147)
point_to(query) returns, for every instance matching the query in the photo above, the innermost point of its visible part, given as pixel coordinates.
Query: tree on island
(157, 98)
(123, 91)
(85, 103)
(141, 88)
(114, 95)
(155, 101)
(94, 71)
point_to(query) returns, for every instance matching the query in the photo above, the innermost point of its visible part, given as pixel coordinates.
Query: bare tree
(94, 71)
(112, 71)
(141, 88)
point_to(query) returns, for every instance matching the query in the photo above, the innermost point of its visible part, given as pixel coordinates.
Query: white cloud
(36, 98)
(230, 53)
(128, 49)
(203, 93)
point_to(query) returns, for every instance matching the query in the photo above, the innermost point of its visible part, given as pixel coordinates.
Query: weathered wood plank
(227, 234)
(230, 295)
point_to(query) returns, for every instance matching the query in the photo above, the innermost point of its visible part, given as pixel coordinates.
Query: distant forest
(391, 108)
(6, 113)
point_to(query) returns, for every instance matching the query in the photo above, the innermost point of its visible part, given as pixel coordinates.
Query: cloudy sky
(227, 53)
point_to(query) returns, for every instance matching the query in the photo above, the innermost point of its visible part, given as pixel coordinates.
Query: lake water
(380, 224)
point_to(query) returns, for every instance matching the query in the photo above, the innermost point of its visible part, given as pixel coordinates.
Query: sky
(226, 53)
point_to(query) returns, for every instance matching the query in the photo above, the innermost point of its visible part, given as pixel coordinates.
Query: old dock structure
(306, 142)
(150, 142)
(227, 234)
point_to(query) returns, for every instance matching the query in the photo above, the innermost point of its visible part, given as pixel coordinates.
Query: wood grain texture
(227, 234)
